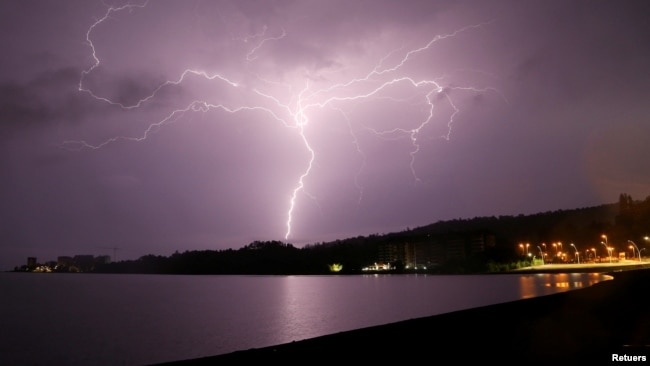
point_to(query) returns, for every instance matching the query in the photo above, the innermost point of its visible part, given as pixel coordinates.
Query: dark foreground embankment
(586, 325)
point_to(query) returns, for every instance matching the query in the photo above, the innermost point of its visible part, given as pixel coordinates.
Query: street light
(541, 254)
(637, 248)
(524, 249)
(609, 253)
(609, 250)
(642, 249)
(577, 253)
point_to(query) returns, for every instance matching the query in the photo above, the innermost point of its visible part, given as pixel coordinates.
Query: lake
(101, 319)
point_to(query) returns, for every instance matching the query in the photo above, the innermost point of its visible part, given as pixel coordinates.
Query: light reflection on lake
(82, 319)
(541, 284)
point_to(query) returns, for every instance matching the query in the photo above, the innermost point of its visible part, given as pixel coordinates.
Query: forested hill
(498, 240)
(574, 225)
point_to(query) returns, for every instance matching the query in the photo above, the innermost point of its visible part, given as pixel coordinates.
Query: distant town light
(336, 267)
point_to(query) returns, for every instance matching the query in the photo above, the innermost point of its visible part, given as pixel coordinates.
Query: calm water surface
(83, 319)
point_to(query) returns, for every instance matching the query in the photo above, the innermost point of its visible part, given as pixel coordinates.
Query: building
(435, 250)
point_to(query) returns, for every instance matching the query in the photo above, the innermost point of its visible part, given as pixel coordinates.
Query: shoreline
(590, 324)
(604, 267)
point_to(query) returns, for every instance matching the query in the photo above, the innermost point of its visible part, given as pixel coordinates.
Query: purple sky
(182, 125)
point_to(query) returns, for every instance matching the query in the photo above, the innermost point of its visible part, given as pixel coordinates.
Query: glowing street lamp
(541, 254)
(609, 250)
(642, 249)
(524, 250)
(637, 248)
(577, 253)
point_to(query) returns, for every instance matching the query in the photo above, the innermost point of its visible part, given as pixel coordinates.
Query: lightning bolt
(96, 62)
(293, 112)
(251, 55)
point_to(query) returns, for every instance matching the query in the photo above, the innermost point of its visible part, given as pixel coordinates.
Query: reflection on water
(546, 283)
(106, 320)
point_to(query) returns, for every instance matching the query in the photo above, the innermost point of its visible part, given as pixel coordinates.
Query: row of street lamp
(604, 243)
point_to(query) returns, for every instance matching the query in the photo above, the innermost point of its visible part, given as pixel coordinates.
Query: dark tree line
(627, 220)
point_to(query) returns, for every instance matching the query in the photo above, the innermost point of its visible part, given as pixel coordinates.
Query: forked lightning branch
(292, 105)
